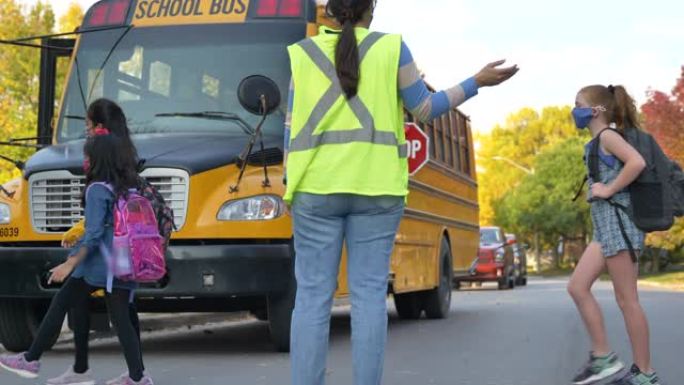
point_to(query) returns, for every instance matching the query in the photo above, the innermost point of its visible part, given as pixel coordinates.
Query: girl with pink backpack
(110, 178)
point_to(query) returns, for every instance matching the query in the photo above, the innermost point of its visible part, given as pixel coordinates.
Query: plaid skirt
(607, 232)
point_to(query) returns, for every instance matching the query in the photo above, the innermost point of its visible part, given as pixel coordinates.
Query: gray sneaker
(598, 368)
(71, 378)
(123, 377)
(636, 377)
(146, 380)
(118, 380)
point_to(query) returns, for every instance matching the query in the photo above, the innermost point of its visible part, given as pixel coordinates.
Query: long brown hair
(347, 63)
(620, 106)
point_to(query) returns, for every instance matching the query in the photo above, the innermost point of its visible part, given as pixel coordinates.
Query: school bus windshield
(177, 69)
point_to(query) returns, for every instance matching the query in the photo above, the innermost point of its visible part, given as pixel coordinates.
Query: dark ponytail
(347, 63)
(625, 115)
(111, 116)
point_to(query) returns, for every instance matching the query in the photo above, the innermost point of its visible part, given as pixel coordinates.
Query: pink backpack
(137, 252)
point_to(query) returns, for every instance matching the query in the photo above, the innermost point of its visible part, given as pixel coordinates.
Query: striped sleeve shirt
(423, 104)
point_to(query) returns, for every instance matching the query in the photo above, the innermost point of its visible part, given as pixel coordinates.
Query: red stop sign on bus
(418, 144)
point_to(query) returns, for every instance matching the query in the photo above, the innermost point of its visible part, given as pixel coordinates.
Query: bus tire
(438, 300)
(408, 305)
(19, 323)
(279, 310)
(261, 314)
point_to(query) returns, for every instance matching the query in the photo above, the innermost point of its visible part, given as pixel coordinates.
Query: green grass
(555, 272)
(674, 279)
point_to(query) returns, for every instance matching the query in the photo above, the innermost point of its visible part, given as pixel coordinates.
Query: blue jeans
(321, 224)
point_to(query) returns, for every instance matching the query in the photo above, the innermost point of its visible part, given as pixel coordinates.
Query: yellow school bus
(175, 67)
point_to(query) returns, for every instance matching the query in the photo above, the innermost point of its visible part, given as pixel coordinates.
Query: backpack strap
(581, 188)
(594, 154)
(618, 207)
(103, 184)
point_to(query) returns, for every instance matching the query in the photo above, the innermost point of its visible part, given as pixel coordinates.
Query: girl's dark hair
(110, 164)
(112, 117)
(348, 13)
(621, 107)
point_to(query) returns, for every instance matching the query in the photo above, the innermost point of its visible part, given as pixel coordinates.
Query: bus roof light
(98, 14)
(290, 8)
(118, 12)
(267, 8)
(279, 8)
(112, 12)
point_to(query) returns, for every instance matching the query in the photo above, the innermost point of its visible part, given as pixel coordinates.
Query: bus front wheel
(19, 323)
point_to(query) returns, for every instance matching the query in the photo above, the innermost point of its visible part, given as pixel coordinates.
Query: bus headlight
(5, 214)
(257, 208)
(500, 254)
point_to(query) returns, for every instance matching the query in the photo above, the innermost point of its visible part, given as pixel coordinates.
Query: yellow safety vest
(354, 146)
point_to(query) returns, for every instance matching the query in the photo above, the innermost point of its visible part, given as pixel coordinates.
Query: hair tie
(347, 14)
(101, 131)
(611, 89)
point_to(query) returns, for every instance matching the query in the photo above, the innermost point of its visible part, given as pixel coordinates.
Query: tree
(19, 70)
(664, 119)
(72, 18)
(508, 154)
(542, 204)
(19, 82)
(508, 150)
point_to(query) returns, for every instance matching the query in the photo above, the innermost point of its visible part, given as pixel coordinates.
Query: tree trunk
(537, 252)
(556, 256)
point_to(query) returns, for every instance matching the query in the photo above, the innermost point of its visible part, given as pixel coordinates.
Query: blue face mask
(582, 116)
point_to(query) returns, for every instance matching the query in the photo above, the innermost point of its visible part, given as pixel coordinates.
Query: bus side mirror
(259, 95)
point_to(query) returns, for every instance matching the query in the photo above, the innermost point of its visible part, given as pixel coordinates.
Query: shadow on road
(226, 336)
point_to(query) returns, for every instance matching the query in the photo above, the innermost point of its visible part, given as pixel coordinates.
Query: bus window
(178, 69)
(455, 139)
(160, 78)
(430, 130)
(133, 66)
(461, 142)
(465, 149)
(447, 140)
(439, 140)
(95, 88)
(211, 86)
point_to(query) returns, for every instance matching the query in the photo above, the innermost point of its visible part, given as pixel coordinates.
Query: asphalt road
(528, 336)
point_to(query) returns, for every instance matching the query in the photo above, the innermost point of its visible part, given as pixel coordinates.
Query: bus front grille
(55, 197)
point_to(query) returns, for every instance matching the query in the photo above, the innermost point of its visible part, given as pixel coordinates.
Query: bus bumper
(199, 271)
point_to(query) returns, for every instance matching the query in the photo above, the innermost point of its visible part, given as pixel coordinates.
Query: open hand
(601, 191)
(61, 272)
(492, 75)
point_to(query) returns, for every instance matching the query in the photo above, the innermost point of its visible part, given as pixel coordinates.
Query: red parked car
(495, 260)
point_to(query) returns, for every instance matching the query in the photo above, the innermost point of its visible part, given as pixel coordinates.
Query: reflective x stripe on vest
(307, 140)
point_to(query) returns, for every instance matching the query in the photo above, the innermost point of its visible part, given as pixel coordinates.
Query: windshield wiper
(76, 117)
(211, 115)
(20, 143)
(17, 163)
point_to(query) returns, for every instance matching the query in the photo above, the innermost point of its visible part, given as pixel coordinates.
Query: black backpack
(162, 211)
(657, 195)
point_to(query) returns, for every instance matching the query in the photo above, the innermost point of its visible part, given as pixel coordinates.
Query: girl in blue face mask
(599, 108)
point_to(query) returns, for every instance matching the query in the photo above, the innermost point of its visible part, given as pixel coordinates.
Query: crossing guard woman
(347, 176)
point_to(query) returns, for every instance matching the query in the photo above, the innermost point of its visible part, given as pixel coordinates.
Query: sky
(560, 46)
